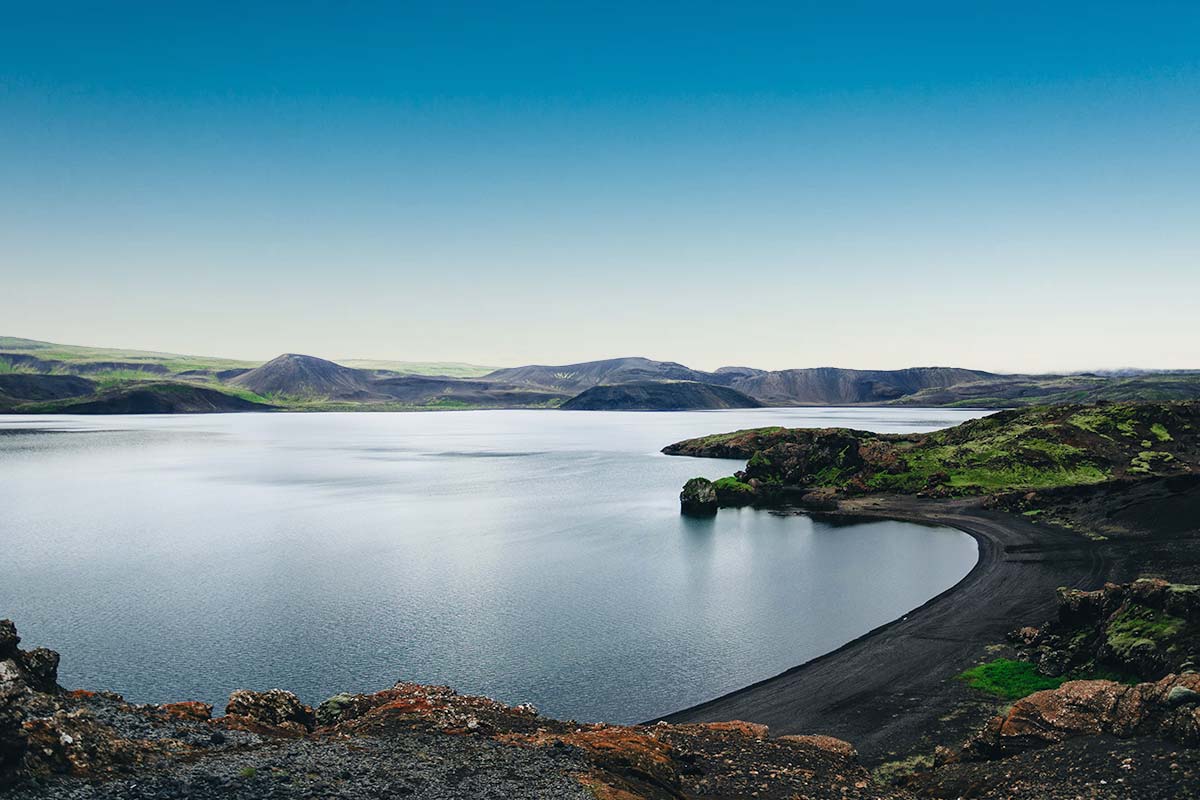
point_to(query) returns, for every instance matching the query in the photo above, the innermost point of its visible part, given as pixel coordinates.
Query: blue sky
(995, 185)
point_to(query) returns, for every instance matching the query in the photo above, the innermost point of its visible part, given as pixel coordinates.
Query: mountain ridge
(295, 381)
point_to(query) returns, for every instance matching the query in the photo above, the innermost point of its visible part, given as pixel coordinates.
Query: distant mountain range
(40, 377)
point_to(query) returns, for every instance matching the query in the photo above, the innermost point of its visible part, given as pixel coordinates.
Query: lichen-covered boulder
(23, 677)
(829, 744)
(698, 498)
(273, 707)
(1165, 708)
(188, 709)
(35, 669)
(332, 710)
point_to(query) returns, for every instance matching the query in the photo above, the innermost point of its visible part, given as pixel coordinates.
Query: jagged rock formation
(1147, 629)
(666, 396)
(23, 676)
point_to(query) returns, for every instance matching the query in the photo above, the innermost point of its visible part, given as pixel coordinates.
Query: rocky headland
(1020, 458)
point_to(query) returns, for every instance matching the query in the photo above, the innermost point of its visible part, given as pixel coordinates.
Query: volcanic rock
(698, 498)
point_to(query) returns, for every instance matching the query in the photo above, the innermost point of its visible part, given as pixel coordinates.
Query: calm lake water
(527, 555)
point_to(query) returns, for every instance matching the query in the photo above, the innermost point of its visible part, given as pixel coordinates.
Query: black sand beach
(895, 689)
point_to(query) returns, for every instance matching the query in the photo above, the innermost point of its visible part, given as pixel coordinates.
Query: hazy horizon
(1002, 186)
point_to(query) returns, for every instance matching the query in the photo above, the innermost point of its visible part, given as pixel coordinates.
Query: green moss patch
(1009, 679)
(1138, 628)
(732, 492)
(1160, 432)
(1012, 680)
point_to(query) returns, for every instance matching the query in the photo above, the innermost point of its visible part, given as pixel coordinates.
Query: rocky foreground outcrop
(430, 742)
(406, 741)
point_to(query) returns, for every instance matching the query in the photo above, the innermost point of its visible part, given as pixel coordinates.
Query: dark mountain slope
(574, 378)
(151, 398)
(1019, 390)
(293, 375)
(659, 396)
(833, 386)
(420, 390)
(23, 387)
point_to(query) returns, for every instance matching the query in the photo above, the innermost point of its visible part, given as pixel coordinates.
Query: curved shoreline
(894, 689)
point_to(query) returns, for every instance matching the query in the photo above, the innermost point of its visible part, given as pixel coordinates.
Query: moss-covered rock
(698, 498)
(732, 493)
(1147, 629)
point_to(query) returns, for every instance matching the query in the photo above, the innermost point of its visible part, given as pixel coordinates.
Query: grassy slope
(452, 369)
(75, 354)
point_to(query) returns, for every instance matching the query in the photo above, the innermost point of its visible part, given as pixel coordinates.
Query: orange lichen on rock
(829, 744)
(430, 706)
(630, 744)
(1169, 708)
(751, 729)
(189, 709)
(75, 743)
(600, 788)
